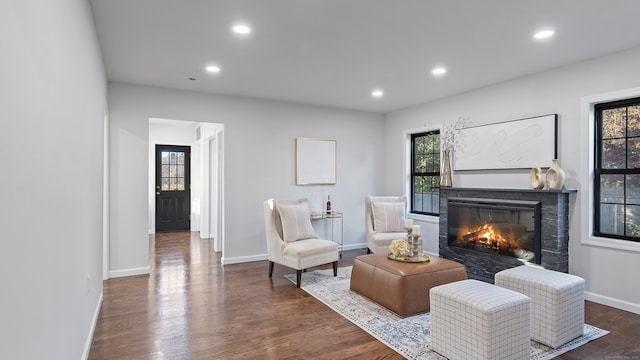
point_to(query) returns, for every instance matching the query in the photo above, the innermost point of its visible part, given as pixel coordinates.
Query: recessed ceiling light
(213, 69)
(377, 93)
(439, 71)
(545, 34)
(241, 29)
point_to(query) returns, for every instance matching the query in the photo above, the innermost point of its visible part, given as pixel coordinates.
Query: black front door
(173, 194)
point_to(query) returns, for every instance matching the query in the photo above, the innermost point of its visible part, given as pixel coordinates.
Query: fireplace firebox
(537, 219)
(500, 227)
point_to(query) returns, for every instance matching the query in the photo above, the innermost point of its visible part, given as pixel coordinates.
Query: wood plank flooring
(191, 307)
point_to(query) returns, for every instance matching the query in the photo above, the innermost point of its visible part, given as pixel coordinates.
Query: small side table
(332, 216)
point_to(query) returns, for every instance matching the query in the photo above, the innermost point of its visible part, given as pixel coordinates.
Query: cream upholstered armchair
(291, 240)
(385, 216)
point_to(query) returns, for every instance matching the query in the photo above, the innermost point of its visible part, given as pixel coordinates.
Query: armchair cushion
(388, 216)
(309, 247)
(296, 222)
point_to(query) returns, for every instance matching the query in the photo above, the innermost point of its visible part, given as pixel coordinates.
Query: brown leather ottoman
(402, 287)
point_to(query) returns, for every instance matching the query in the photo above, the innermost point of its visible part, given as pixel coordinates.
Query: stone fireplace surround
(554, 231)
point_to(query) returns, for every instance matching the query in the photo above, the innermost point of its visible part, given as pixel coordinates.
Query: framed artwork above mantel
(516, 144)
(316, 161)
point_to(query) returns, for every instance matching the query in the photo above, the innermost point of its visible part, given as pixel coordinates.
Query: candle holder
(415, 243)
(416, 246)
(410, 239)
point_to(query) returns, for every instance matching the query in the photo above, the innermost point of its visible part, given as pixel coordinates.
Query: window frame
(598, 170)
(412, 174)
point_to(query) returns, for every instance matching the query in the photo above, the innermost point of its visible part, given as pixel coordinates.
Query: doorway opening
(206, 207)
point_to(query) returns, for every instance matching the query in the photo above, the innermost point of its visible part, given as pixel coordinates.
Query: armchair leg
(335, 268)
(270, 268)
(298, 277)
(368, 251)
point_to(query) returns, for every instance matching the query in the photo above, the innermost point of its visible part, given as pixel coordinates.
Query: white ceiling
(335, 52)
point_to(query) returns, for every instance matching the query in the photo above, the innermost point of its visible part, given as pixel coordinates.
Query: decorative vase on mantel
(555, 176)
(445, 176)
(536, 178)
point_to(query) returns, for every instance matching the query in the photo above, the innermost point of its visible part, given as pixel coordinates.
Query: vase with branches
(451, 138)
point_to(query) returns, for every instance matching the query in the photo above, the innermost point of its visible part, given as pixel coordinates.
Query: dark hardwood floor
(191, 307)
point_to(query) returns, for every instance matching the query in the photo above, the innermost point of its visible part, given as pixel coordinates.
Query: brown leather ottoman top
(399, 286)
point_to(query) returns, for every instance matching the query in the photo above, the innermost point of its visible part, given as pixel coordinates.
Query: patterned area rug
(410, 336)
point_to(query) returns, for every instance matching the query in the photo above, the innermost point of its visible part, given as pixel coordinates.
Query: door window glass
(172, 171)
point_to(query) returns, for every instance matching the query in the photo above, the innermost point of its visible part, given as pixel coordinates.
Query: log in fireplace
(500, 227)
(490, 230)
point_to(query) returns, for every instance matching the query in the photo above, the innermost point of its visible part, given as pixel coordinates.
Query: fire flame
(488, 236)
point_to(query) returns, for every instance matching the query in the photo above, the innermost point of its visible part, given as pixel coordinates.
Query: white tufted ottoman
(557, 309)
(471, 319)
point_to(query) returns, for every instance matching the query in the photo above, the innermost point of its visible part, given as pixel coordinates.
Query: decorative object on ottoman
(414, 240)
(471, 319)
(402, 287)
(409, 250)
(557, 310)
(399, 248)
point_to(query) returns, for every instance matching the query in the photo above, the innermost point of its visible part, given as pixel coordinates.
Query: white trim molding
(129, 272)
(616, 303)
(92, 329)
(243, 259)
(425, 218)
(354, 246)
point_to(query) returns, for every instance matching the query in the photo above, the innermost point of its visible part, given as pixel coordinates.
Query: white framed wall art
(316, 161)
(516, 144)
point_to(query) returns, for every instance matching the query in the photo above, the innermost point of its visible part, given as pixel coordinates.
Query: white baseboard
(243, 259)
(129, 272)
(94, 322)
(432, 254)
(354, 246)
(616, 303)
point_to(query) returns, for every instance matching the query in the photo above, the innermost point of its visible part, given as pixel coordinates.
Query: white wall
(128, 227)
(259, 164)
(52, 105)
(610, 274)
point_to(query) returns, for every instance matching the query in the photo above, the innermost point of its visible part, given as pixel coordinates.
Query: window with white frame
(616, 187)
(425, 173)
